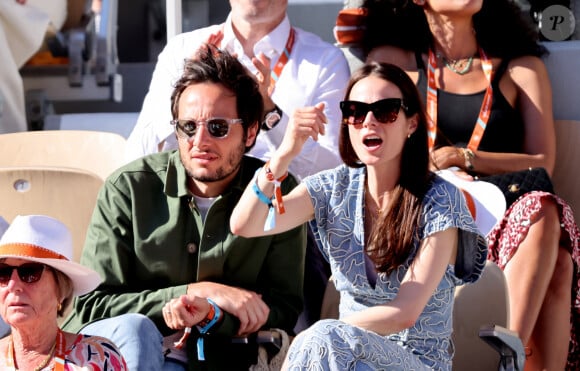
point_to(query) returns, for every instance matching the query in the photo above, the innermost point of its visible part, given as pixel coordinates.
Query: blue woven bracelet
(203, 330)
(271, 218)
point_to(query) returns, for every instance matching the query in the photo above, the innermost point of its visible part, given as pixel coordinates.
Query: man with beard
(160, 231)
(296, 70)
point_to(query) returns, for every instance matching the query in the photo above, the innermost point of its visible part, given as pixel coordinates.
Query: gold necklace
(47, 359)
(44, 362)
(373, 207)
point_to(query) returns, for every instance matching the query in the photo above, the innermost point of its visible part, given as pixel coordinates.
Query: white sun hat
(485, 200)
(46, 240)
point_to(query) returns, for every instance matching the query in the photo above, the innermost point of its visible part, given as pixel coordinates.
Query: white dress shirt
(315, 72)
(22, 31)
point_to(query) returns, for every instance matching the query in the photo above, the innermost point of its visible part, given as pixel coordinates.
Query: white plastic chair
(99, 152)
(63, 193)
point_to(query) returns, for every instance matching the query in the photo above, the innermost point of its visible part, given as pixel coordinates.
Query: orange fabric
(470, 203)
(45, 58)
(29, 251)
(349, 26)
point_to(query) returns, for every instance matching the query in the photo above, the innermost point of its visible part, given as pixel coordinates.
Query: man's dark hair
(213, 65)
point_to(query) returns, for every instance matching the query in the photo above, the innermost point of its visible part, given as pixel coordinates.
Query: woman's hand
(305, 122)
(446, 157)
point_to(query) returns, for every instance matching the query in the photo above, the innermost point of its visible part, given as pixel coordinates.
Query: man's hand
(247, 306)
(262, 64)
(185, 311)
(216, 38)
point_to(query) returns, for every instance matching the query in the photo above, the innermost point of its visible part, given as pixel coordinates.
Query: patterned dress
(94, 353)
(338, 199)
(509, 233)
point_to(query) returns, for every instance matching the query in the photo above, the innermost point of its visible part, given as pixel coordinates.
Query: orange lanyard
(58, 358)
(277, 70)
(282, 60)
(484, 112)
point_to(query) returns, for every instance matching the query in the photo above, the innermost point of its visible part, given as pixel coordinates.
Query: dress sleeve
(445, 208)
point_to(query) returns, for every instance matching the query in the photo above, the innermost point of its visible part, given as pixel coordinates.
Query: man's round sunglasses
(28, 272)
(384, 110)
(217, 127)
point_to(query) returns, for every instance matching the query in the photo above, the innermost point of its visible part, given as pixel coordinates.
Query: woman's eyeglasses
(384, 110)
(28, 272)
(217, 127)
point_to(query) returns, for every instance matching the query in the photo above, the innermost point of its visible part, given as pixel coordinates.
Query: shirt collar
(272, 45)
(176, 177)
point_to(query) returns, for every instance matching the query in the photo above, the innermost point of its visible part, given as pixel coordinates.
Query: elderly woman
(37, 282)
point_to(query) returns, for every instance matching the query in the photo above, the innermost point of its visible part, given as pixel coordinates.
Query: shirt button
(191, 248)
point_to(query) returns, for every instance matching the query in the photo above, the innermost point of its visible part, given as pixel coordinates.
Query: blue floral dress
(338, 199)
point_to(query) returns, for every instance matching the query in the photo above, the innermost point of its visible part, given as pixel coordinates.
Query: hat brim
(84, 279)
(489, 201)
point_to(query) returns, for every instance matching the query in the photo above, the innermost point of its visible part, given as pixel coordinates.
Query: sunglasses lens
(5, 273)
(28, 273)
(353, 113)
(387, 110)
(219, 128)
(188, 127)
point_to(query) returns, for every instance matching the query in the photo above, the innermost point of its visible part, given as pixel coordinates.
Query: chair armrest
(261, 337)
(507, 343)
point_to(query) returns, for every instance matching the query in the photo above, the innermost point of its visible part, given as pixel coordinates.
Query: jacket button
(191, 248)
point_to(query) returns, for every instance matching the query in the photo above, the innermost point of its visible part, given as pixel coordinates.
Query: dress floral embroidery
(338, 199)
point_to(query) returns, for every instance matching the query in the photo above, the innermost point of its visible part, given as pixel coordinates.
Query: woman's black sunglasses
(28, 272)
(384, 110)
(217, 127)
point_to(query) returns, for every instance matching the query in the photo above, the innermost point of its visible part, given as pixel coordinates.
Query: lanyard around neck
(282, 60)
(484, 112)
(58, 358)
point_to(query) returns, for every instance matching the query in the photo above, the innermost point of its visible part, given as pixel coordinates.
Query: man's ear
(252, 134)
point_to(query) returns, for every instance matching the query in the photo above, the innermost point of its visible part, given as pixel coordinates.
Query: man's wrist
(272, 118)
(213, 317)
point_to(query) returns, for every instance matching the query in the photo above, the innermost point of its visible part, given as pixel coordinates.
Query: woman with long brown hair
(398, 238)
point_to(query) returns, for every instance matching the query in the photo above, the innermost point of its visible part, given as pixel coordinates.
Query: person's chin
(17, 315)
(205, 175)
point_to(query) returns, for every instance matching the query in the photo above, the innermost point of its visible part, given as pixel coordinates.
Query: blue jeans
(139, 340)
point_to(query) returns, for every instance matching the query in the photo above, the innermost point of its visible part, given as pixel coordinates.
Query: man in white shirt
(315, 72)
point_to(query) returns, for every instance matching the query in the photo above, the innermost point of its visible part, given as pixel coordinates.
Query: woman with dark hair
(398, 238)
(489, 106)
